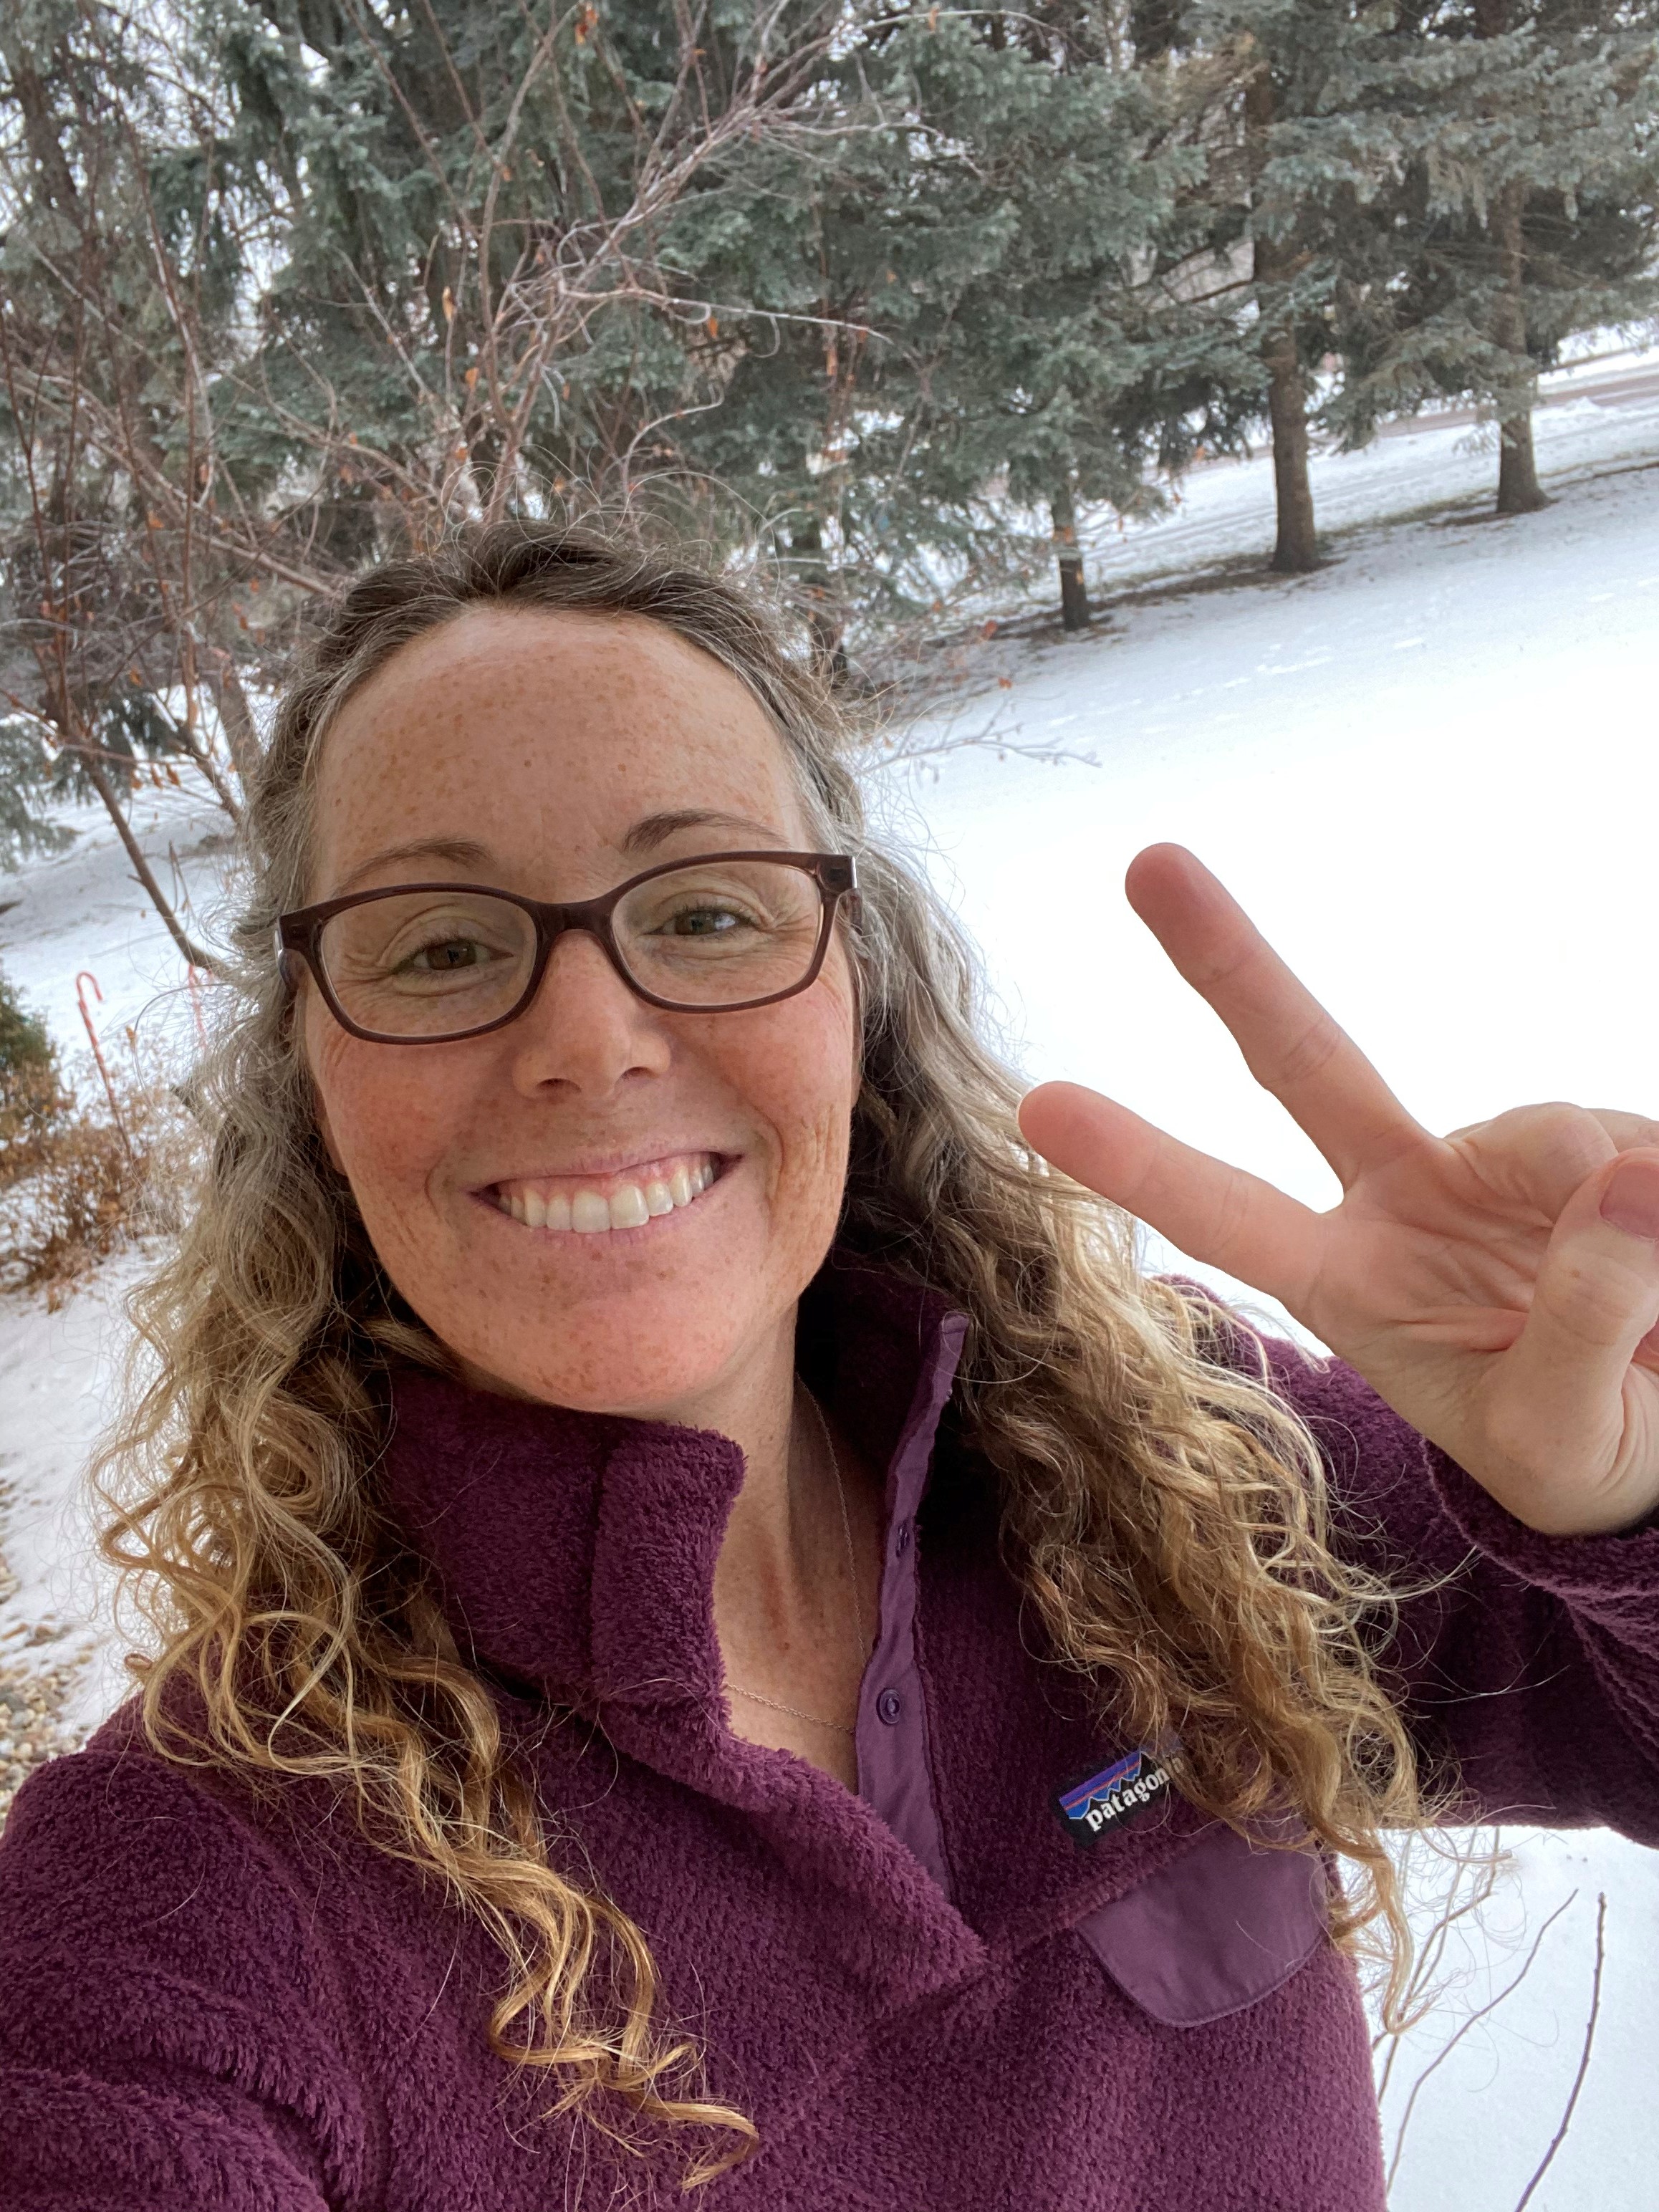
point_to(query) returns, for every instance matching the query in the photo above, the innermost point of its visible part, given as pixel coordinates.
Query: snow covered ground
(1430, 772)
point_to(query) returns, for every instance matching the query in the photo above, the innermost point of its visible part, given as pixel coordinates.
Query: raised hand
(1499, 1287)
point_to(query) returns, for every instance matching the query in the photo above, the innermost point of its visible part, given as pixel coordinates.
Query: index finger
(1291, 1044)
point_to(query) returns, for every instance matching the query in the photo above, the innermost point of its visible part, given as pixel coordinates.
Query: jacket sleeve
(159, 2036)
(1527, 1665)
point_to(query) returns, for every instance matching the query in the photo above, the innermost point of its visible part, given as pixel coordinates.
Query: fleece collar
(576, 1551)
(576, 1555)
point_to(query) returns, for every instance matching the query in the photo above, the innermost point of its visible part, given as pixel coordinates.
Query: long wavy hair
(1166, 1514)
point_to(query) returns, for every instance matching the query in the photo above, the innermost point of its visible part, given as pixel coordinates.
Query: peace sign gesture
(1498, 1287)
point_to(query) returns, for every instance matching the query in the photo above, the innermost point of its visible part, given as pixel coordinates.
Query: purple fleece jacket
(938, 1994)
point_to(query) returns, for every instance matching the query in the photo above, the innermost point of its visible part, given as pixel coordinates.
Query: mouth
(593, 1205)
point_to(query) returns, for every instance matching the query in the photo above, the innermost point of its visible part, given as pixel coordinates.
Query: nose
(584, 1031)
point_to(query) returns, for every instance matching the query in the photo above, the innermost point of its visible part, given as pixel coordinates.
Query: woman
(711, 1629)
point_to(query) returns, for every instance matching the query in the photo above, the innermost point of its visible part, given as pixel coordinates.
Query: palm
(1472, 1280)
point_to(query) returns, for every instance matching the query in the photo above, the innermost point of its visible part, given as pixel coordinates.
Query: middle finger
(1291, 1044)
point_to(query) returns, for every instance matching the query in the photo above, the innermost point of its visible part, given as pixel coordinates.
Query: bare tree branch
(1560, 2135)
(1452, 2041)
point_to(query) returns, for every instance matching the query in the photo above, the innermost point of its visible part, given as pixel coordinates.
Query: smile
(587, 1206)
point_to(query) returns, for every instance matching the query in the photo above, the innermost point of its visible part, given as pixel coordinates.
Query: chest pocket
(1222, 1927)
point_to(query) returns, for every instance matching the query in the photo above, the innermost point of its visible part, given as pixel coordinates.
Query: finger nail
(1631, 1200)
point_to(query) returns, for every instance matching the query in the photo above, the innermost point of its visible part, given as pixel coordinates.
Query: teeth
(589, 1214)
(630, 1205)
(627, 1207)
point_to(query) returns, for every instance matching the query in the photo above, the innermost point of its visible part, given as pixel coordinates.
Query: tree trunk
(1073, 592)
(1519, 491)
(1156, 28)
(1518, 488)
(1296, 549)
(235, 715)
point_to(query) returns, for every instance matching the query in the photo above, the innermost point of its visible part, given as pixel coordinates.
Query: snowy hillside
(1431, 773)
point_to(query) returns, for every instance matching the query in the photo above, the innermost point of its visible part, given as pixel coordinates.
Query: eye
(446, 955)
(704, 919)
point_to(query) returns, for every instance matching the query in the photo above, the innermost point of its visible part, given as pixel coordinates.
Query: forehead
(527, 733)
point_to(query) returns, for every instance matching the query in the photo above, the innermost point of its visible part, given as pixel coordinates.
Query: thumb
(1595, 1304)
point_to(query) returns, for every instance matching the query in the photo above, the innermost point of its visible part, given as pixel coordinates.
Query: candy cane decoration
(196, 1004)
(87, 976)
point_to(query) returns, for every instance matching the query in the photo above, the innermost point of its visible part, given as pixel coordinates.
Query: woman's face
(556, 754)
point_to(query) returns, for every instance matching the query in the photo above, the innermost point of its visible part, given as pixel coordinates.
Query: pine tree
(892, 297)
(33, 1094)
(1298, 105)
(982, 341)
(1524, 210)
(491, 273)
(1432, 195)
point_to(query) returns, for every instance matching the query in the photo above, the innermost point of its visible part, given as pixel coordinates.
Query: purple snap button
(902, 1543)
(887, 1704)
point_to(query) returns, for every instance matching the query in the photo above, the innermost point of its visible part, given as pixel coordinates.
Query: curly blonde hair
(1166, 1514)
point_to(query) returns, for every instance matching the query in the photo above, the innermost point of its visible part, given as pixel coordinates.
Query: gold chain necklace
(776, 1704)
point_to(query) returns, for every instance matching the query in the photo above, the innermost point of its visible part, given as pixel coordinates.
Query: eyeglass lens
(432, 963)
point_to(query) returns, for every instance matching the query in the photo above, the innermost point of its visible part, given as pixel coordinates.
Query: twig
(86, 975)
(1419, 1988)
(1005, 748)
(1452, 2042)
(193, 953)
(1584, 2056)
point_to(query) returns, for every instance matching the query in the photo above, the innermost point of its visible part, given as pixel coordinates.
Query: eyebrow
(461, 851)
(649, 832)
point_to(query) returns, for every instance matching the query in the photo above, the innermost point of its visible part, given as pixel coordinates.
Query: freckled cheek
(390, 1124)
(799, 1084)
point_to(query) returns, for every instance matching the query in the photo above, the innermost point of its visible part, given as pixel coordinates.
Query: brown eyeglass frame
(834, 873)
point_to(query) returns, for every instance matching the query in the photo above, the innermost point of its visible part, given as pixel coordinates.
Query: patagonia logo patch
(1113, 1798)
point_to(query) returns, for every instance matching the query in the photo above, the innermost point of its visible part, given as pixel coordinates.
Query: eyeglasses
(429, 963)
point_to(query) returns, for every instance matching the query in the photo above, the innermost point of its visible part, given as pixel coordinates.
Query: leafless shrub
(33, 1102)
(89, 1178)
(1447, 1889)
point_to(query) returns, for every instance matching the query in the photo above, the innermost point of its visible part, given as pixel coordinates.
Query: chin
(642, 1350)
(613, 1378)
